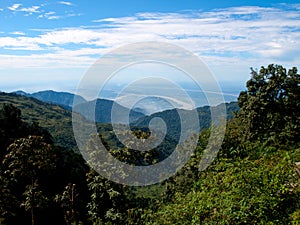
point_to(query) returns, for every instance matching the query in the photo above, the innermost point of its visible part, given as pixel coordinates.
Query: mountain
(103, 108)
(23, 93)
(172, 119)
(56, 119)
(64, 99)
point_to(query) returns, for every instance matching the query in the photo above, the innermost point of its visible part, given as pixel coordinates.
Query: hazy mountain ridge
(101, 107)
(64, 99)
(100, 111)
(58, 120)
(172, 119)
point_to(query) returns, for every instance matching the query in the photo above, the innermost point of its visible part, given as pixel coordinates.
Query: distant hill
(172, 119)
(56, 119)
(21, 93)
(64, 99)
(103, 108)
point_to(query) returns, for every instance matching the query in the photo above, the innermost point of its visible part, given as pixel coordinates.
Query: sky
(46, 44)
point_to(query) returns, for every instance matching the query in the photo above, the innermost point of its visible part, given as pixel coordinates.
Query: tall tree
(10, 126)
(28, 160)
(68, 202)
(270, 108)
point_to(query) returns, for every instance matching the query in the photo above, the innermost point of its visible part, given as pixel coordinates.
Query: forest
(254, 180)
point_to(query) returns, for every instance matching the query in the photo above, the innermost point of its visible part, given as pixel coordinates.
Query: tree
(34, 198)
(7, 200)
(246, 191)
(10, 126)
(67, 201)
(270, 108)
(28, 160)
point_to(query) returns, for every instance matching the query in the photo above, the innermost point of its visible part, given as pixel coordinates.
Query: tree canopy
(270, 108)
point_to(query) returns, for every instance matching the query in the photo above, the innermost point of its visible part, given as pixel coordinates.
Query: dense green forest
(54, 118)
(254, 179)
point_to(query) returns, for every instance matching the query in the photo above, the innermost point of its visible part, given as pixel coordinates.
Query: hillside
(172, 119)
(56, 119)
(103, 109)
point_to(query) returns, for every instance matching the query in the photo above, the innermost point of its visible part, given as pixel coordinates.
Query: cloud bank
(238, 37)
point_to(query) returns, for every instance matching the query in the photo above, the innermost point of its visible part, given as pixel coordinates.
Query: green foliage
(10, 126)
(28, 160)
(27, 157)
(270, 108)
(55, 119)
(172, 119)
(236, 192)
(68, 202)
(106, 200)
(34, 199)
(32, 172)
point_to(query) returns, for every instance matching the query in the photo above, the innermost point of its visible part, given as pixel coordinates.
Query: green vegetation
(254, 180)
(54, 118)
(172, 119)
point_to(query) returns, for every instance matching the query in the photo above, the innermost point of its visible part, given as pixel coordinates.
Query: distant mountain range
(101, 107)
(100, 110)
(146, 106)
(57, 118)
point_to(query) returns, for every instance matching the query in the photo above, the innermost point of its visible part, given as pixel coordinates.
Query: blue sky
(51, 44)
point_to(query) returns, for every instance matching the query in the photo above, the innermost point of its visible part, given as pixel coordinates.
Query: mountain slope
(56, 119)
(172, 119)
(103, 108)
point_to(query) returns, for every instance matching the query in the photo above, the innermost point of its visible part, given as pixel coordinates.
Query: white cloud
(14, 7)
(32, 9)
(238, 37)
(66, 3)
(47, 14)
(43, 12)
(50, 60)
(28, 10)
(53, 15)
(17, 33)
